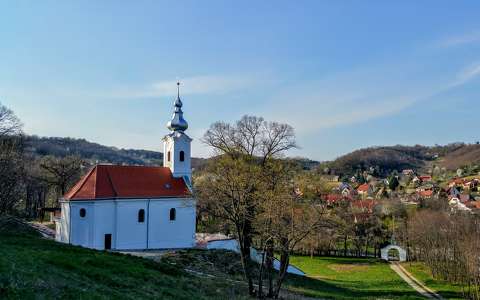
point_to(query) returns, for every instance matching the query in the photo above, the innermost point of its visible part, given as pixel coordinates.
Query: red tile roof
(331, 198)
(109, 181)
(427, 193)
(473, 204)
(425, 178)
(363, 188)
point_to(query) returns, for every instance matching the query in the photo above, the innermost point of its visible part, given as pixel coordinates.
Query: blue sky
(345, 74)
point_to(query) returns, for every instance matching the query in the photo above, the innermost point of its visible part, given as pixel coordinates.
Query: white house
(135, 207)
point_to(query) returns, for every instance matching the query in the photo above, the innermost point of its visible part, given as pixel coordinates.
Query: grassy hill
(36, 268)
(32, 267)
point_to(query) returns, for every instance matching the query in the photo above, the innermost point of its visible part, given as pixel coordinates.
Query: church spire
(177, 123)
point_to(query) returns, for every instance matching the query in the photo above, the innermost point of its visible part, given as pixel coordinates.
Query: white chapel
(135, 207)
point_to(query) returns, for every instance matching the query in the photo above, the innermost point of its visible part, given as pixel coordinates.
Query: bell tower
(176, 144)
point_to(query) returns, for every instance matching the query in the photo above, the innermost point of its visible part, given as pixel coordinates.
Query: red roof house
(363, 188)
(425, 193)
(425, 178)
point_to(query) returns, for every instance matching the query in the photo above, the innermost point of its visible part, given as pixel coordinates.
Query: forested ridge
(93, 152)
(386, 159)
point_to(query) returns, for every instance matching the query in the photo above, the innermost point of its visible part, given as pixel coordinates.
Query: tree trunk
(284, 261)
(269, 267)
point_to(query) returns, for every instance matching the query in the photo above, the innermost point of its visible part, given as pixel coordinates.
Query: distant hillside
(384, 160)
(461, 156)
(93, 152)
(96, 153)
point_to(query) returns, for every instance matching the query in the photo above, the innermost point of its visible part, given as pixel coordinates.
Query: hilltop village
(458, 191)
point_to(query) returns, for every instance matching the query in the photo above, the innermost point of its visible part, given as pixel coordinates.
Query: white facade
(119, 218)
(174, 144)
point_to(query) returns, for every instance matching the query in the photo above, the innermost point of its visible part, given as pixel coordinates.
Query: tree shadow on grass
(335, 289)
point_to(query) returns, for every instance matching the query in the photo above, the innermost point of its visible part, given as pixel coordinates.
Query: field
(349, 278)
(35, 268)
(423, 274)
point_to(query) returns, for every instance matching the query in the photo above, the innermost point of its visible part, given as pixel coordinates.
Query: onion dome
(177, 123)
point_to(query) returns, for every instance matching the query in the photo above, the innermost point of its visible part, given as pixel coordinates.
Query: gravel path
(413, 282)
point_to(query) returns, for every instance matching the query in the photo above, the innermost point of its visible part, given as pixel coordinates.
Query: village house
(422, 179)
(135, 207)
(425, 193)
(365, 190)
(346, 190)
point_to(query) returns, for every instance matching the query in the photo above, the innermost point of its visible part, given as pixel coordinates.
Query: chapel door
(108, 241)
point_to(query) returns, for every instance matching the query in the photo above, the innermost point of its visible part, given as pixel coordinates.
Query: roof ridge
(111, 183)
(130, 166)
(82, 183)
(95, 183)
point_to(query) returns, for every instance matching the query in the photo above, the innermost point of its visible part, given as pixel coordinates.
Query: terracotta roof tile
(109, 181)
(363, 188)
(427, 193)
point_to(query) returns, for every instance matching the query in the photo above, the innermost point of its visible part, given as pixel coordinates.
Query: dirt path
(413, 282)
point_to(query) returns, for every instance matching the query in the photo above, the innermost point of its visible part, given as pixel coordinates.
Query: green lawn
(349, 278)
(35, 268)
(423, 274)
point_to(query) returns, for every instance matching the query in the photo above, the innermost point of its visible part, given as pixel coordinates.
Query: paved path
(44, 230)
(413, 282)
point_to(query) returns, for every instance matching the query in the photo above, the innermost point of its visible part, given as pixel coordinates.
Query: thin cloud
(200, 85)
(459, 40)
(362, 95)
(467, 74)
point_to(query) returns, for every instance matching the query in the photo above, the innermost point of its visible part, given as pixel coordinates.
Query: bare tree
(228, 191)
(236, 179)
(288, 214)
(448, 243)
(251, 136)
(61, 173)
(11, 154)
(10, 125)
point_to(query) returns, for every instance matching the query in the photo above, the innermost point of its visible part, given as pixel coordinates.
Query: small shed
(393, 253)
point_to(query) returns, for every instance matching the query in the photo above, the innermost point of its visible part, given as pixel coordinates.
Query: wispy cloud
(459, 40)
(206, 84)
(362, 95)
(467, 74)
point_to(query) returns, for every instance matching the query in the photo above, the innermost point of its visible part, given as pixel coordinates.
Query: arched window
(173, 214)
(83, 212)
(141, 216)
(168, 156)
(182, 156)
